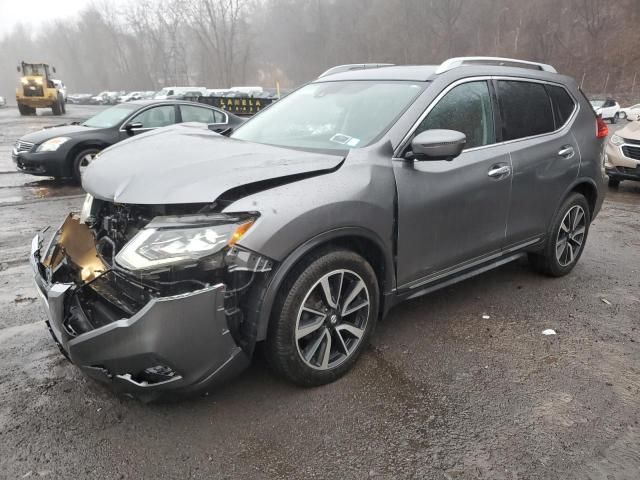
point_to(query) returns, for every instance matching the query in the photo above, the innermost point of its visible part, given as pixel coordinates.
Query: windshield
(111, 116)
(597, 103)
(332, 115)
(33, 69)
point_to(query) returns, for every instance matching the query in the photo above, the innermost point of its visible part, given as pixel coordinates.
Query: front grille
(631, 152)
(631, 141)
(22, 146)
(33, 90)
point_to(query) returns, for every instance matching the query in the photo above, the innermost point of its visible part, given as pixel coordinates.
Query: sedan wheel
(85, 161)
(82, 162)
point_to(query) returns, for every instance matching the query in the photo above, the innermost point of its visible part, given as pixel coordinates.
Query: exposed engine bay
(85, 250)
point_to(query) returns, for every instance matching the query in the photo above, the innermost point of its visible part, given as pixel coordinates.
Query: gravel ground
(460, 384)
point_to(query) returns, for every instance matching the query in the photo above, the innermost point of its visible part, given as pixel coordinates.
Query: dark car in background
(66, 150)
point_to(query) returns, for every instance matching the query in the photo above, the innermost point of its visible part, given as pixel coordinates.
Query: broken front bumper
(177, 343)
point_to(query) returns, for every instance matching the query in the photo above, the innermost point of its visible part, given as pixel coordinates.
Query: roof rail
(498, 61)
(353, 66)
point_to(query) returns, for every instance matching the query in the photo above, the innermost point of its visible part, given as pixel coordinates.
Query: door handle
(499, 171)
(567, 151)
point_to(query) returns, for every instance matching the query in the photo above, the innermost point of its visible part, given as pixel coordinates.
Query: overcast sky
(35, 12)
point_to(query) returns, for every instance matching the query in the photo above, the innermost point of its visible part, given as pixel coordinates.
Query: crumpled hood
(190, 164)
(61, 131)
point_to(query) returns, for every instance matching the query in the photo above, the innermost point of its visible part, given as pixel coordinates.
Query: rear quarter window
(525, 109)
(563, 104)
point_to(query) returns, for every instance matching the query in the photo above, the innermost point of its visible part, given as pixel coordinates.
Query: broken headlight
(170, 241)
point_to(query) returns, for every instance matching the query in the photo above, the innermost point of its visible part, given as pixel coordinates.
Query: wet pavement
(460, 384)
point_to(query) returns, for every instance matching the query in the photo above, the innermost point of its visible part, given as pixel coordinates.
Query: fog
(113, 45)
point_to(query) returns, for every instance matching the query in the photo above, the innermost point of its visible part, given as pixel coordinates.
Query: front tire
(614, 119)
(26, 110)
(81, 161)
(566, 238)
(323, 318)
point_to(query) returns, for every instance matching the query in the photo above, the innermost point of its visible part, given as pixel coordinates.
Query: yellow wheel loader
(37, 90)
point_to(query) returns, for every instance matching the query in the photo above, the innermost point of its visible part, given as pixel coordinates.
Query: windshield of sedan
(331, 115)
(111, 116)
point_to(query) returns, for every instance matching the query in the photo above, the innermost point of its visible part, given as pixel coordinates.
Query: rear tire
(314, 339)
(81, 161)
(566, 238)
(614, 182)
(622, 115)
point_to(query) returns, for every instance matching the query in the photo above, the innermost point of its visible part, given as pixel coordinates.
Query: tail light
(601, 128)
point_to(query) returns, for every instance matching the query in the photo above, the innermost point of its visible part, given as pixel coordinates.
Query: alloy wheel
(85, 161)
(332, 319)
(571, 235)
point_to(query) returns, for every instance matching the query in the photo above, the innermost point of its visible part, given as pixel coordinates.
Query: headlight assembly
(170, 241)
(617, 140)
(52, 144)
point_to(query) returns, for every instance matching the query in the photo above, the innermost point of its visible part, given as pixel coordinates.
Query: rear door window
(192, 113)
(525, 109)
(563, 104)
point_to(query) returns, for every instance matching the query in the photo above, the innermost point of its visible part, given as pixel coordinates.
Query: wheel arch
(588, 188)
(362, 241)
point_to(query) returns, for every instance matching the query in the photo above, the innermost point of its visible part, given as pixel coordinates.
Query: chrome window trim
(576, 108)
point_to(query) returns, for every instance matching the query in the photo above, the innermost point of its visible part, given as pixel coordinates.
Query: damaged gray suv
(304, 226)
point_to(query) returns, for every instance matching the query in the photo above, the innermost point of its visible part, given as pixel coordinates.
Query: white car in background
(3, 101)
(170, 92)
(128, 97)
(62, 88)
(631, 113)
(608, 108)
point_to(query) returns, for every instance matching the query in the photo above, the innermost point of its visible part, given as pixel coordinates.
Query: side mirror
(129, 127)
(221, 128)
(438, 145)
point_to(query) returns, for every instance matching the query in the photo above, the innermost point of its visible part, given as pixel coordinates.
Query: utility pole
(633, 85)
(606, 82)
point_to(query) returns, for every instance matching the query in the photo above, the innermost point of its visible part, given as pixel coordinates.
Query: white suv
(608, 108)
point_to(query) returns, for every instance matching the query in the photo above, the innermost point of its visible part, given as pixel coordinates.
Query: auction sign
(237, 105)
